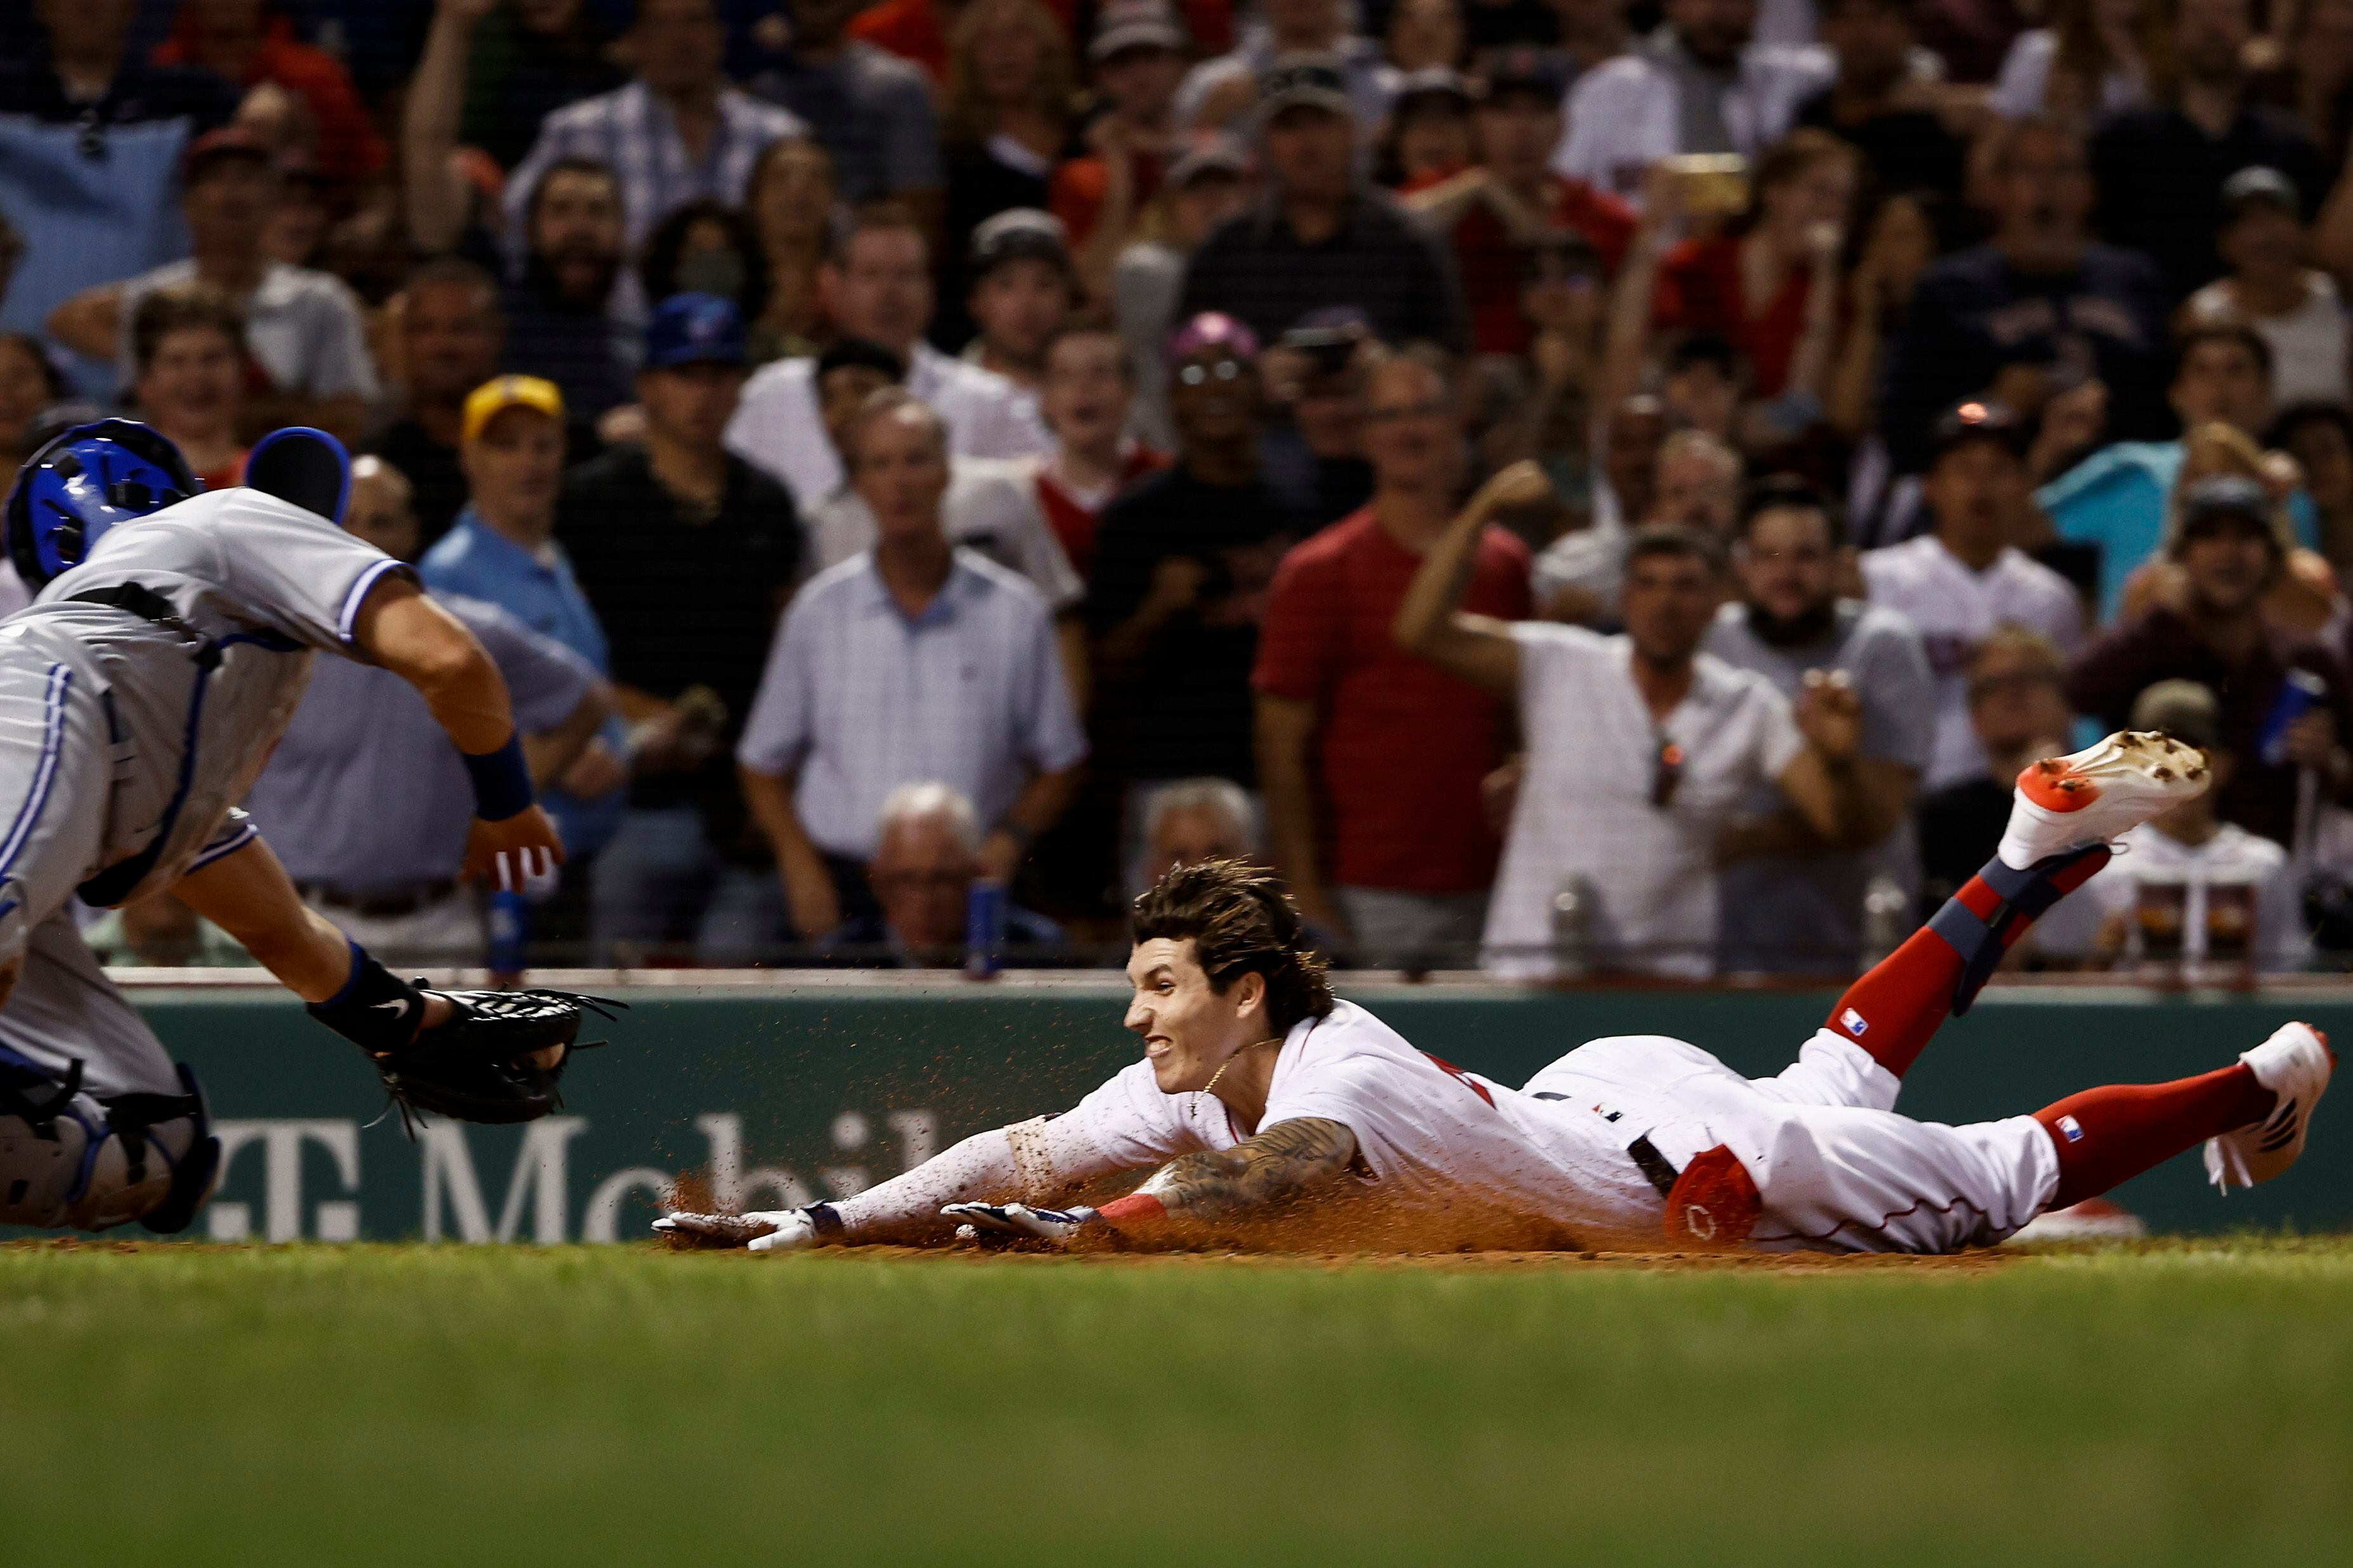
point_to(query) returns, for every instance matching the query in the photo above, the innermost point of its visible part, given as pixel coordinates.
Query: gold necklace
(1230, 1060)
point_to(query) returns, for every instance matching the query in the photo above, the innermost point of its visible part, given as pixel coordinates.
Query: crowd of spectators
(1582, 487)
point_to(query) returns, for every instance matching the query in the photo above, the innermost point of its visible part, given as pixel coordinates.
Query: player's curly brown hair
(1240, 920)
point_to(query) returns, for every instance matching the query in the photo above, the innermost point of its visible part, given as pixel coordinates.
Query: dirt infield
(1978, 1261)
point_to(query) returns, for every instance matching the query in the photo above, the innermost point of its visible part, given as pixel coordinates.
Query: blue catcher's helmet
(82, 483)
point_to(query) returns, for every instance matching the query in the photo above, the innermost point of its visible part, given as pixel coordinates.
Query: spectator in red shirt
(246, 43)
(1393, 750)
(1751, 283)
(1493, 210)
(918, 31)
(1088, 387)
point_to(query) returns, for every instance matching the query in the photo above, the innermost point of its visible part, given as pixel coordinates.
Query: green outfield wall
(783, 1095)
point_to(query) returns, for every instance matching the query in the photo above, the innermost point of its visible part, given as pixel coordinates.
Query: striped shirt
(862, 700)
(632, 131)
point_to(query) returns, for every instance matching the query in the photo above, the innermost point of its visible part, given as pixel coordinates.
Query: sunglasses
(1201, 375)
(1666, 773)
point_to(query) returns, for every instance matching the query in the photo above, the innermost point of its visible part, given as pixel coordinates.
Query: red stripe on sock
(2120, 1130)
(1903, 1000)
(1909, 995)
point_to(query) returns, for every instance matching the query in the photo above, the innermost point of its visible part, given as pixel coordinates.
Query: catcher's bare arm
(426, 646)
(248, 895)
(1279, 1163)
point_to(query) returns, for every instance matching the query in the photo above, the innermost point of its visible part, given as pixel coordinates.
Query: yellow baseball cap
(495, 396)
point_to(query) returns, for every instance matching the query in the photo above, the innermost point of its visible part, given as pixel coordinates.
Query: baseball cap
(1135, 25)
(1215, 152)
(1311, 80)
(2185, 709)
(1432, 85)
(500, 393)
(1212, 329)
(2260, 183)
(1979, 419)
(695, 329)
(1522, 69)
(228, 142)
(1019, 233)
(2220, 495)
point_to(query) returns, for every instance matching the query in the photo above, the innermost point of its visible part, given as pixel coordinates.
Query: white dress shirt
(779, 429)
(861, 700)
(991, 506)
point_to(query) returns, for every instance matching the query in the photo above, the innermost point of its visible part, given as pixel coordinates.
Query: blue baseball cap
(695, 329)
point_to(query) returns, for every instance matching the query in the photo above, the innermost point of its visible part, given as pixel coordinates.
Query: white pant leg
(1837, 1170)
(57, 778)
(65, 1010)
(1843, 1179)
(1833, 1070)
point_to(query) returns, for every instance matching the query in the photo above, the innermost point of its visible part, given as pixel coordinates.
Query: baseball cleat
(2295, 1064)
(2091, 797)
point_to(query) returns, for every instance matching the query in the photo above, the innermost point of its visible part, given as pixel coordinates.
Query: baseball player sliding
(1258, 1089)
(140, 695)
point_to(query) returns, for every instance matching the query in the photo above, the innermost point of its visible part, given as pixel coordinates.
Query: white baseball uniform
(1836, 1168)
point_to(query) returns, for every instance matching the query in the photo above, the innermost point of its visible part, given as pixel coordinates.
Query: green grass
(2177, 1403)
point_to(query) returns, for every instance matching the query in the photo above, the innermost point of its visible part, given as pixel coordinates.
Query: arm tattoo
(1277, 1165)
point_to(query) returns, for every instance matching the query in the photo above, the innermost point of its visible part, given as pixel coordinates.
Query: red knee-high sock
(1892, 1010)
(2108, 1135)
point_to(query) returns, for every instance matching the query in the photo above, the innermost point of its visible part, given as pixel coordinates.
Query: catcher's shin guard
(68, 1158)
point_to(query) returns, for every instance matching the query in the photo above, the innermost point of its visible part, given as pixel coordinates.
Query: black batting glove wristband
(376, 1010)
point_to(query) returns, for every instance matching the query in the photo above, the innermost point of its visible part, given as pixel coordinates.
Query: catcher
(140, 695)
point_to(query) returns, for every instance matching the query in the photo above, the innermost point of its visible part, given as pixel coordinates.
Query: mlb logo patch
(1854, 1023)
(2072, 1128)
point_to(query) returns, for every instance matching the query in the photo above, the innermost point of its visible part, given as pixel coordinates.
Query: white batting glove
(770, 1230)
(974, 1220)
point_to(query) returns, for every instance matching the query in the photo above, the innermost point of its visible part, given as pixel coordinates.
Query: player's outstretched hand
(514, 852)
(771, 1230)
(1019, 1220)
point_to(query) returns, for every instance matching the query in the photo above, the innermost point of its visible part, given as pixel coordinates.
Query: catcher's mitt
(496, 1059)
